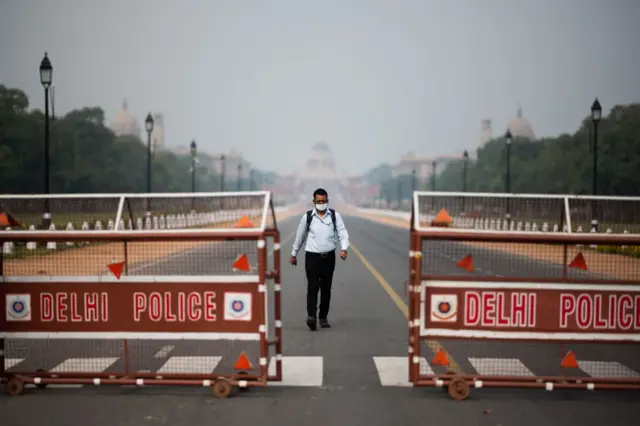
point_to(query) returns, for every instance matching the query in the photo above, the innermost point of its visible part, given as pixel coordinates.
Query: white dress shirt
(321, 237)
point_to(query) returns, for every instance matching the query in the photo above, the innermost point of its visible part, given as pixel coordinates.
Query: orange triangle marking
(578, 262)
(466, 263)
(243, 362)
(7, 220)
(244, 222)
(241, 263)
(569, 361)
(442, 218)
(116, 268)
(440, 358)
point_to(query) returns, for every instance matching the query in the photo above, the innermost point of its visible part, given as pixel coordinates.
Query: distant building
(486, 132)
(125, 124)
(232, 159)
(423, 165)
(520, 126)
(320, 171)
(157, 135)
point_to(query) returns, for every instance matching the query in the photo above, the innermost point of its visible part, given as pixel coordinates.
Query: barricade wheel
(15, 386)
(458, 389)
(240, 374)
(222, 388)
(41, 385)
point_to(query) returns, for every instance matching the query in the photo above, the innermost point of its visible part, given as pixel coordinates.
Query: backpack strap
(309, 219)
(332, 212)
(333, 219)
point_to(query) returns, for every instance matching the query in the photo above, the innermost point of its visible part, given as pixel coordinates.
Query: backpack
(332, 214)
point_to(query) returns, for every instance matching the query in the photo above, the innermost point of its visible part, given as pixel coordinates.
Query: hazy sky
(373, 78)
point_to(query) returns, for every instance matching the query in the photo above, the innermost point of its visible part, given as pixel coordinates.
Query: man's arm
(343, 235)
(297, 242)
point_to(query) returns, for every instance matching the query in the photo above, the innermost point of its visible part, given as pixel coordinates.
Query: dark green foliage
(87, 157)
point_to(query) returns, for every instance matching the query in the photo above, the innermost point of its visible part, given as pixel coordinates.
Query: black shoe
(311, 323)
(324, 323)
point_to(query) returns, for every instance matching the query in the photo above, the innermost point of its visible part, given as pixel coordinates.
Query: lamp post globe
(596, 111)
(148, 123)
(508, 137)
(46, 71)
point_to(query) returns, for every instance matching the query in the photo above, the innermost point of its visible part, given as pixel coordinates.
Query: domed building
(520, 126)
(125, 124)
(320, 171)
(486, 131)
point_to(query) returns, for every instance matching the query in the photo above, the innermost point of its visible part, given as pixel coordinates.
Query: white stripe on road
(190, 364)
(607, 369)
(500, 367)
(299, 371)
(89, 365)
(162, 353)
(71, 365)
(11, 362)
(394, 370)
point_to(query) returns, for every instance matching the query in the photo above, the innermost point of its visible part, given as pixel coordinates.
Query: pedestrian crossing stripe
(308, 371)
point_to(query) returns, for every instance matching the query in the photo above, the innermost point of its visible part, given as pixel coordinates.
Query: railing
(193, 307)
(525, 212)
(522, 310)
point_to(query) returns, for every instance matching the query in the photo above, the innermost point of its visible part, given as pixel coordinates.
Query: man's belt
(325, 254)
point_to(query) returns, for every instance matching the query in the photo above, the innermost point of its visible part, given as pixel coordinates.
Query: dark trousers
(319, 269)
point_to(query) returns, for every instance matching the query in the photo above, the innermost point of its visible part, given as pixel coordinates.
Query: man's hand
(293, 260)
(343, 255)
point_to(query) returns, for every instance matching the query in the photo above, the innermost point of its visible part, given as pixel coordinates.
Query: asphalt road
(332, 374)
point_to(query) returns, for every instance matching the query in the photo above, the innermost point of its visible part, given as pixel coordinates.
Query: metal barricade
(517, 309)
(178, 305)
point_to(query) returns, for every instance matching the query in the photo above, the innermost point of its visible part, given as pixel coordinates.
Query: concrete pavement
(336, 376)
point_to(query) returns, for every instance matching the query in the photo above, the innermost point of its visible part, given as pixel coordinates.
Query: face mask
(321, 207)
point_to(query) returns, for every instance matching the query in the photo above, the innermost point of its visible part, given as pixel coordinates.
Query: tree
(560, 165)
(86, 157)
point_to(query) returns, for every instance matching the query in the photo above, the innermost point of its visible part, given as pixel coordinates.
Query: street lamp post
(194, 150)
(399, 191)
(465, 156)
(239, 177)
(596, 115)
(46, 77)
(433, 175)
(508, 139)
(148, 126)
(413, 181)
(222, 172)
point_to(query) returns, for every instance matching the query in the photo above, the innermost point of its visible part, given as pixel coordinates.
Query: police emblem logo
(237, 306)
(444, 308)
(18, 307)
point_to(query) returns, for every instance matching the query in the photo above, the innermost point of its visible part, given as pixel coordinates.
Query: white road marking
(500, 367)
(394, 370)
(607, 369)
(12, 362)
(190, 364)
(90, 365)
(162, 353)
(299, 371)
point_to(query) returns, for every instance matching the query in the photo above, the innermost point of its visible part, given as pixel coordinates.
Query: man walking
(320, 225)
